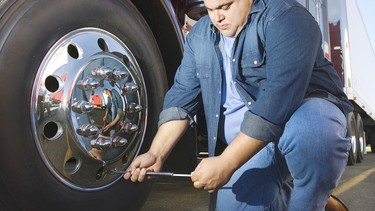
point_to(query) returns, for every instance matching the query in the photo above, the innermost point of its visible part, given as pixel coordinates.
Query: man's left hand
(211, 174)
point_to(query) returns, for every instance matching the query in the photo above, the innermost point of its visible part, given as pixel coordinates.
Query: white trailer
(358, 50)
(354, 43)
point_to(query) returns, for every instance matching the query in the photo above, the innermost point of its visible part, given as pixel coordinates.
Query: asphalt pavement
(356, 189)
(357, 185)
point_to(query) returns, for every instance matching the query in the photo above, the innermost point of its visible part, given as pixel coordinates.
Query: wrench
(150, 173)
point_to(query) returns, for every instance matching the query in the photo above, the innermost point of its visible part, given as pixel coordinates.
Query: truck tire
(361, 139)
(54, 56)
(371, 140)
(352, 133)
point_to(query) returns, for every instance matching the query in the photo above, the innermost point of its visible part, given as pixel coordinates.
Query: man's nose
(218, 15)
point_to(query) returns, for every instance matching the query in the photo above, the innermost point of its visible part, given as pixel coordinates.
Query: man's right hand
(142, 164)
(165, 139)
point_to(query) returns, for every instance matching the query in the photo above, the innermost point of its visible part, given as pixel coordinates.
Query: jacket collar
(258, 5)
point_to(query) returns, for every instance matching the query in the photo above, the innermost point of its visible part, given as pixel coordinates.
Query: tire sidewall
(361, 138)
(352, 131)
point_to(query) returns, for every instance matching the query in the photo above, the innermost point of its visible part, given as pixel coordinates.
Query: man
(270, 95)
(113, 112)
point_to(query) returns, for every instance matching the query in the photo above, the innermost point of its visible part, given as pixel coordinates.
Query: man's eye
(226, 7)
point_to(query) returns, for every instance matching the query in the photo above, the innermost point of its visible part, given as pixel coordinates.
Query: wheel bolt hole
(73, 51)
(52, 130)
(102, 44)
(52, 83)
(71, 166)
(102, 172)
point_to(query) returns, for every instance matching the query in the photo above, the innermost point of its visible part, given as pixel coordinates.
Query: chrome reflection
(89, 108)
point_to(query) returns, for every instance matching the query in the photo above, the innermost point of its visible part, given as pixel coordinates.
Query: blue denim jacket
(277, 62)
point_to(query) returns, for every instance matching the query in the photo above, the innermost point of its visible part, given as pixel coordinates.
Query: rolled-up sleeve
(174, 113)
(262, 130)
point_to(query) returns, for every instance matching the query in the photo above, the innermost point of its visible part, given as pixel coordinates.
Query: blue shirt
(277, 62)
(233, 106)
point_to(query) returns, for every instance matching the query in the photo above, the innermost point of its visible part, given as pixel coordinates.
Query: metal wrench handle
(163, 174)
(167, 174)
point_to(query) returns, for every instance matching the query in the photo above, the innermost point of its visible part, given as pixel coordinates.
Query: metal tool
(162, 174)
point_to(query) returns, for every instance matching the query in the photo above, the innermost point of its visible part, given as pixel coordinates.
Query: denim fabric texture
(297, 173)
(280, 73)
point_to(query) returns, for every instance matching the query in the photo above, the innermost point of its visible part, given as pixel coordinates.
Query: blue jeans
(298, 172)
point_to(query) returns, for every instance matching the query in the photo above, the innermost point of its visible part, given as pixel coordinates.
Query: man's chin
(227, 33)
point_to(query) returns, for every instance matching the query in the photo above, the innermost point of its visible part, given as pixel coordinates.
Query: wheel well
(368, 122)
(166, 33)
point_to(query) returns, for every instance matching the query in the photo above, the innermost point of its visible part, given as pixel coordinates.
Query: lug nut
(88, 84)
(128, 127)
(118, 75)
(133, 107)
(88, 130)
(82, 107)
(118, 141)
(102, 72)
(129, 88)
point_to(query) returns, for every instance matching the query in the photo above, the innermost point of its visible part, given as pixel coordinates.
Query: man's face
(107, 93)
(228, 16)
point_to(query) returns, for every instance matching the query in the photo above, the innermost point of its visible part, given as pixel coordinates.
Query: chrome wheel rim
(88, 108)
